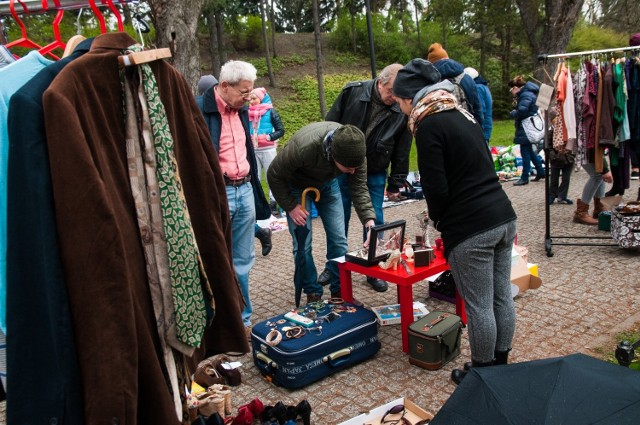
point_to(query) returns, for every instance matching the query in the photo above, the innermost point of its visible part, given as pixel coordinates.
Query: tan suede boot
(598, 207)
(582, 214)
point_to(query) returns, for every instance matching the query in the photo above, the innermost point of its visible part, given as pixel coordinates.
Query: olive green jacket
(303, 162)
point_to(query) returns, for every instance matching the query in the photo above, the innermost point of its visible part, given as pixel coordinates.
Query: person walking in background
(560, 163)
(525, 94)
(266, 128)
(314, 156)
(227, 116)
(370, 106)
(454, 71)
(486, 102)
(468, 207)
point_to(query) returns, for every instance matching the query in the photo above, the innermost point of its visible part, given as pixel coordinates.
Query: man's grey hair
(235, 71)
(389, 73)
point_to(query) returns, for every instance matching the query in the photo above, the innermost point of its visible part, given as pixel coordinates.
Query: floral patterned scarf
(432, 103)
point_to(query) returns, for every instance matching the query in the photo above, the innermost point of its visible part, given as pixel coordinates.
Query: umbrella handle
(304, 196)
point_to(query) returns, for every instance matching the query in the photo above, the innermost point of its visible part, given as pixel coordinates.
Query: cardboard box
(390, 314)
(525, 275)
(414, 413)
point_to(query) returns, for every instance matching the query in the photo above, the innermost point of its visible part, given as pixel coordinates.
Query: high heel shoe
(279, 413)
(304, 411)
(392, 261)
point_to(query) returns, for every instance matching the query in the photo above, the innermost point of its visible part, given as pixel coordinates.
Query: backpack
(458, 92)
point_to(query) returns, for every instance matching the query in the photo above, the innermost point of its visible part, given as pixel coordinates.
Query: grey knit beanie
(348, 147)
(415, 75)
(205, 82)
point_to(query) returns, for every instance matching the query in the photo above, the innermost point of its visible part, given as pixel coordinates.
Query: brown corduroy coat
(104, 265)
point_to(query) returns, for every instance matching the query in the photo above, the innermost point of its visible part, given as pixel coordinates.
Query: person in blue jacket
(525, 94)
(266, 128)
(454, 71)
(486, 102)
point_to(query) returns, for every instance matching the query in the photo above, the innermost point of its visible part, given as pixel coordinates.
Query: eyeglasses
(394, 411)
(243, 94)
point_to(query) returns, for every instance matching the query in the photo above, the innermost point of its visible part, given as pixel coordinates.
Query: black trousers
(556, 189)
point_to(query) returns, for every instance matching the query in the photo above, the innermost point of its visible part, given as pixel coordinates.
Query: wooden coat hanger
(72, 44)
(146, 56)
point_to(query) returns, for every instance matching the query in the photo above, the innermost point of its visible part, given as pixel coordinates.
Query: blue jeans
(242, 210)
(529, 156)
(376, 183)
(330, 211)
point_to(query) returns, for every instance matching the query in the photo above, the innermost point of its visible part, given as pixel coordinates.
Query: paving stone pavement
(588, 294)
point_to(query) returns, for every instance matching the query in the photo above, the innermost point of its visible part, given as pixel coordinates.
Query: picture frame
(385, 238)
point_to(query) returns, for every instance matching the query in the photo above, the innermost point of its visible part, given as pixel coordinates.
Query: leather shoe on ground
(538, 177)
(378, 284)
(324, 277)
(264, 236)
(521, 182)
(312, 298)
(247, 332)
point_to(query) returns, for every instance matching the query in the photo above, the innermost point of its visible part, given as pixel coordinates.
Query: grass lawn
(502, 135)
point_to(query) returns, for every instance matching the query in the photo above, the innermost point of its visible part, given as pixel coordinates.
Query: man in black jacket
(370, 106)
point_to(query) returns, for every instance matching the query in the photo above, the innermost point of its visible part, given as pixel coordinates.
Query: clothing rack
(548, 145)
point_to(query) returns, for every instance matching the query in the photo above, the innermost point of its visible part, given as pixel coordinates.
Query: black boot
(457, 375)
(501, 357)
(264, 236)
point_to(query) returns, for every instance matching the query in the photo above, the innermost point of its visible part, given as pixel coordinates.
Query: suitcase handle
(270, 363)
(338, 357)
(435, 321)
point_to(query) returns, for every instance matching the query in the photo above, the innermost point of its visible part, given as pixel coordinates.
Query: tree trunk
(222, 52)
(320, 74)
(415, 5)
(176, 28)
(213, 45)
(549, 33)
(353, 32)
(265, 40)
(272, 19)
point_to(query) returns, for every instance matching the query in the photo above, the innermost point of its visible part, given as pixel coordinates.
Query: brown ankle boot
(582, 214)
(598, 207)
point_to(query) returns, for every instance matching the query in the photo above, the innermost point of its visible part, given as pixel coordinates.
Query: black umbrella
(301, 233)
(575, 389)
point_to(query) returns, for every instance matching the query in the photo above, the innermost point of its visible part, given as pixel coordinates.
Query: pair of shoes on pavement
(378, 285)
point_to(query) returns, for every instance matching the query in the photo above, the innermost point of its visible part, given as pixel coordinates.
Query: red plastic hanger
(23, 41)
(57, 43)
(99, 17)
(116, 12)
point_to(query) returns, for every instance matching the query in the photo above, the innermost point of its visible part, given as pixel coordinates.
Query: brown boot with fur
(598, 207)
(582, 214)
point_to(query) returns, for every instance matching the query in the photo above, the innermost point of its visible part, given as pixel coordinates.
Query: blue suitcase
(349, 335)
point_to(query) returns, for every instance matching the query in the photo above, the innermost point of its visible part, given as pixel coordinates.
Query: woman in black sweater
(467, 205)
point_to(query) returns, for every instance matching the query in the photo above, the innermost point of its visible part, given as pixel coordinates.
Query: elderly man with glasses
(226, 114)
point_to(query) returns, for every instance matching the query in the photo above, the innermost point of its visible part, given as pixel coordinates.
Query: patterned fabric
(434, 102)
(188, 277)
(145, 191)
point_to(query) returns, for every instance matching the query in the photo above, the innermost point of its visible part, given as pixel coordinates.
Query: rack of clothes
(600, 110)
(116, 275)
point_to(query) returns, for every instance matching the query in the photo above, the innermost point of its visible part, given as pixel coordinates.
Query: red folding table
(405, 283)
